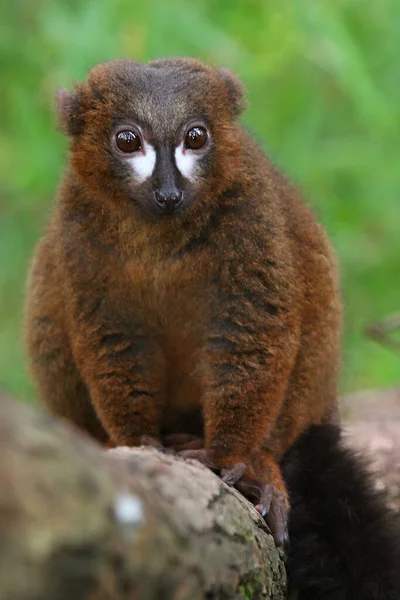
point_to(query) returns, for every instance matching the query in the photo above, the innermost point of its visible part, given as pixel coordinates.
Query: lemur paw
(147, 440)
(271, 505)
(199, 454)
(269, 501)
(143, 440)
(179, 442)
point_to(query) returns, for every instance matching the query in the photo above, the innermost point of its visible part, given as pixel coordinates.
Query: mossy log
(80, 523)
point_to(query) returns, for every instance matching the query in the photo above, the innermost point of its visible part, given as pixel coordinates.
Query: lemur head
(161, 136)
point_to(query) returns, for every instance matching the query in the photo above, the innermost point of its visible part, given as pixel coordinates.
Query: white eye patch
(143, 163)
(186, 162)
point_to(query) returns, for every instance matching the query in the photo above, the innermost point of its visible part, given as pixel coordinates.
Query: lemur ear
(69, 111)
(235, 90)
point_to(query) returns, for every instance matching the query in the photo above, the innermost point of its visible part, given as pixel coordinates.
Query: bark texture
(77, 522)
(372, 421)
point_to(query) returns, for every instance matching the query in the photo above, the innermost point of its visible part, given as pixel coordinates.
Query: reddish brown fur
(134, 324)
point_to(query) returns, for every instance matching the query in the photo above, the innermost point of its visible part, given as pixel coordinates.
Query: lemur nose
(168, 200)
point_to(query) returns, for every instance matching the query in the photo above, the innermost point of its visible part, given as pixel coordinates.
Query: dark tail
(344, 543)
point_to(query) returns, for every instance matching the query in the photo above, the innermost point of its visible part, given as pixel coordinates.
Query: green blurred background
(323, 80)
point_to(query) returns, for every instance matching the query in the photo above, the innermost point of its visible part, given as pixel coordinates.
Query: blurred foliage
(323, 81)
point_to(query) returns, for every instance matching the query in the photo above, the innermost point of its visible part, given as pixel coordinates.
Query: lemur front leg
(245, 395)
(124, 370)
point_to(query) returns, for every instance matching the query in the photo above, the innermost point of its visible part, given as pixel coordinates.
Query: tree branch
(77, 522)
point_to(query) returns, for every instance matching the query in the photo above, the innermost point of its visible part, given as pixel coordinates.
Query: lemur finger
(277, 519)
(177, 439)
(264, 503)
(192, 445)
(200, 455)
(233, 474)
(250, 489)
(147, 440)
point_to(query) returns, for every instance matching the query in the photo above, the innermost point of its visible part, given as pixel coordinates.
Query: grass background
(323, 80)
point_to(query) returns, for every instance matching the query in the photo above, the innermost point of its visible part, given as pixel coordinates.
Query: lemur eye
(196, 138)
(128, 141)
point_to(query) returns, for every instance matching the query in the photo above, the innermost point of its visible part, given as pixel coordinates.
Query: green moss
(247, 591)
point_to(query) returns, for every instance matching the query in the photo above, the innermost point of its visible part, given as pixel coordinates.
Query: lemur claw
(273, 508)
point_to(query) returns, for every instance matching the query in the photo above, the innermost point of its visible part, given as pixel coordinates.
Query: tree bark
(372, 423)
(79, 523)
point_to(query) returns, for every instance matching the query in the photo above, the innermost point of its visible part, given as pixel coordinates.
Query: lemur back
(182, 285)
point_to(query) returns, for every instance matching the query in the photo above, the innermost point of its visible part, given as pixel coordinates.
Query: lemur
(182, 286)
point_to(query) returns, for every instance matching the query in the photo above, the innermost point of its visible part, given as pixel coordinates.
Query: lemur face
(162, 169)
(159, 136)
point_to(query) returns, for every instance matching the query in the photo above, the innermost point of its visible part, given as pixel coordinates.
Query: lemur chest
(171, 296)
(173, 305)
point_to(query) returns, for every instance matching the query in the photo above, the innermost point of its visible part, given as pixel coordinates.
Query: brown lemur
(182, 285)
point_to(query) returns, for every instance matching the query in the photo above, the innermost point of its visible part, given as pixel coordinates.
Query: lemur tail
(344, 543)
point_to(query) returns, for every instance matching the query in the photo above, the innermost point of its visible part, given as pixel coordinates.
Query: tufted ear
(235, 90)
(69, 111)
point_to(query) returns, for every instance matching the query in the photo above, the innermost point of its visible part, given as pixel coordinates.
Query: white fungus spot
(128, 509)
(143, 163)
